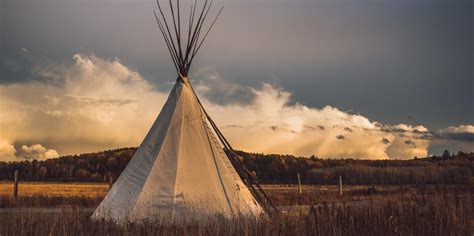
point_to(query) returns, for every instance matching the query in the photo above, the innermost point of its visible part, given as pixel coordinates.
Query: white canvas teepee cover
(179, 172)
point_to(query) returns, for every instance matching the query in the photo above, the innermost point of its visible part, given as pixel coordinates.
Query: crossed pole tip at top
(183, 78)
(183, 46)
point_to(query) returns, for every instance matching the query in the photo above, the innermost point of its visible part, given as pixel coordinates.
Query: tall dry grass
(440, 213)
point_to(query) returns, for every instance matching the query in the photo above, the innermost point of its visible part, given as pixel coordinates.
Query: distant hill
(267, 168)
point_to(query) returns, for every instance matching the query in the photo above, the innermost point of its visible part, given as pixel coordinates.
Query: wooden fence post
(340, 185)
(15, 185)
(110, 182)
(299, 183)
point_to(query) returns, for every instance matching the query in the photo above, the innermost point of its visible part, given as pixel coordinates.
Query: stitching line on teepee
(214, 159)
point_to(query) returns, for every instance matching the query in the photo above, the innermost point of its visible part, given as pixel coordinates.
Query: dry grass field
(91, 194)
(286, 195)
(55, 189)
(47, 194)
(65, 208)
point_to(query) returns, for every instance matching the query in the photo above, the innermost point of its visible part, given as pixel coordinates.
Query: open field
(280, 194)
(55, 189)
(53, 194)
(42, 194)
(65, 208)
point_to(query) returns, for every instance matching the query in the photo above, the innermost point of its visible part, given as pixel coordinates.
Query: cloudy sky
(371, 79)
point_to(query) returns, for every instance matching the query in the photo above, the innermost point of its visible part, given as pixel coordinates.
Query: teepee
(185, 168)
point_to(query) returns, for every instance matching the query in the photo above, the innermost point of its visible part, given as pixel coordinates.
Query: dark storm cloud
(429, 135)
(340, 137)
(20, 65)
(15, 66)
(401, 131)
(463, 136)
(394, 58)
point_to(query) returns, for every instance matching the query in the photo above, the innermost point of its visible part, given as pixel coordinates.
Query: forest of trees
(267, 168)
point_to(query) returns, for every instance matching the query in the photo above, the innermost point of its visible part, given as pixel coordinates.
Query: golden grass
(54, 194)
(58, 189)
(407, 210)
(440, 213)
(29, 189)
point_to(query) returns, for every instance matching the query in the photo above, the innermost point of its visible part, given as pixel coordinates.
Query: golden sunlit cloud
(96, 104)
(269, 124)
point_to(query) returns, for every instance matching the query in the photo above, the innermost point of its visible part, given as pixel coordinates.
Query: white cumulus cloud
(270, 124)
(95, 104)
(458, 129)
(36, 151)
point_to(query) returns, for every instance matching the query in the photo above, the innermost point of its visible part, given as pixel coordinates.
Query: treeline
(267, 168)
(283, 169)
(90, 167)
